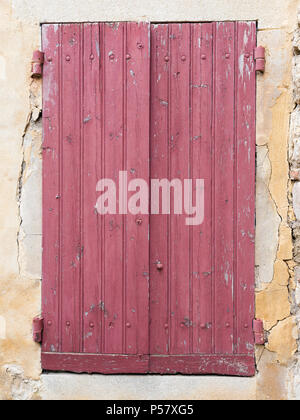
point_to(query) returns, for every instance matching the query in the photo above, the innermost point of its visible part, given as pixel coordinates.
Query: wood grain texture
(224, 181)
(196, 94)
(70, 223)
(51, 188)
(96, 123)
(241, 365)
(159, 224)
(91, 276)
(202, 163)
(115, 143)
(173, 101)
(179, 146)
(137, 164)
(237, 365)
(245, 186)
(95, 363)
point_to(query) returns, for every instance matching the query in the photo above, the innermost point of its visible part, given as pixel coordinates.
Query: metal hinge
(38, 59)
(37, 329)
(259, 334)
(260, 59)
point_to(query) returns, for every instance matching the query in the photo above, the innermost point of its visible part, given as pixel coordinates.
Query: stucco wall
(20, 208)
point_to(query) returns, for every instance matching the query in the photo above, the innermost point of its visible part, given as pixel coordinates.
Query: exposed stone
(297, 274)
(295, 164)
(296, 78)
(296, 200)
(297, 296)
(17, 386)
(295, 175)
(294, 148)
(291, 266)
(36, 113)
(296, 235)
(296, 41)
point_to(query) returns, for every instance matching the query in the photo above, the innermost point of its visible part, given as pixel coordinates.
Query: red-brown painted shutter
(185, 102)
(95, 268)
(203, 126)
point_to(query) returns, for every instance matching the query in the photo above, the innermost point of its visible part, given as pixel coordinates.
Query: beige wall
(20, 208)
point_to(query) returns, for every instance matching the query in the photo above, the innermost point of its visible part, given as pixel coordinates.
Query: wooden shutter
(203, 127)
(180, 106)
(95, 268)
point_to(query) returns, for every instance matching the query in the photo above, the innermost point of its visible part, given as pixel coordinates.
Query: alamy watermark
(161, 197)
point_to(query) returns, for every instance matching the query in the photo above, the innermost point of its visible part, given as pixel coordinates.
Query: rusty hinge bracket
(37, 329)
(38, 59)
(260, 59)
(259, 334)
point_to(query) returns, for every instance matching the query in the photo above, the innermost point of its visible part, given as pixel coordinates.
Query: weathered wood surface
(174, 101)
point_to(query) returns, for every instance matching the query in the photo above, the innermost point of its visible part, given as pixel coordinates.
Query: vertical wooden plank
(201, 168)
(245, 185)
(137, 164)
(179, 149)
(159, 288)
(71, 189)
(91, 174)
(224, 187)
(51, 35)
(114, 146)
